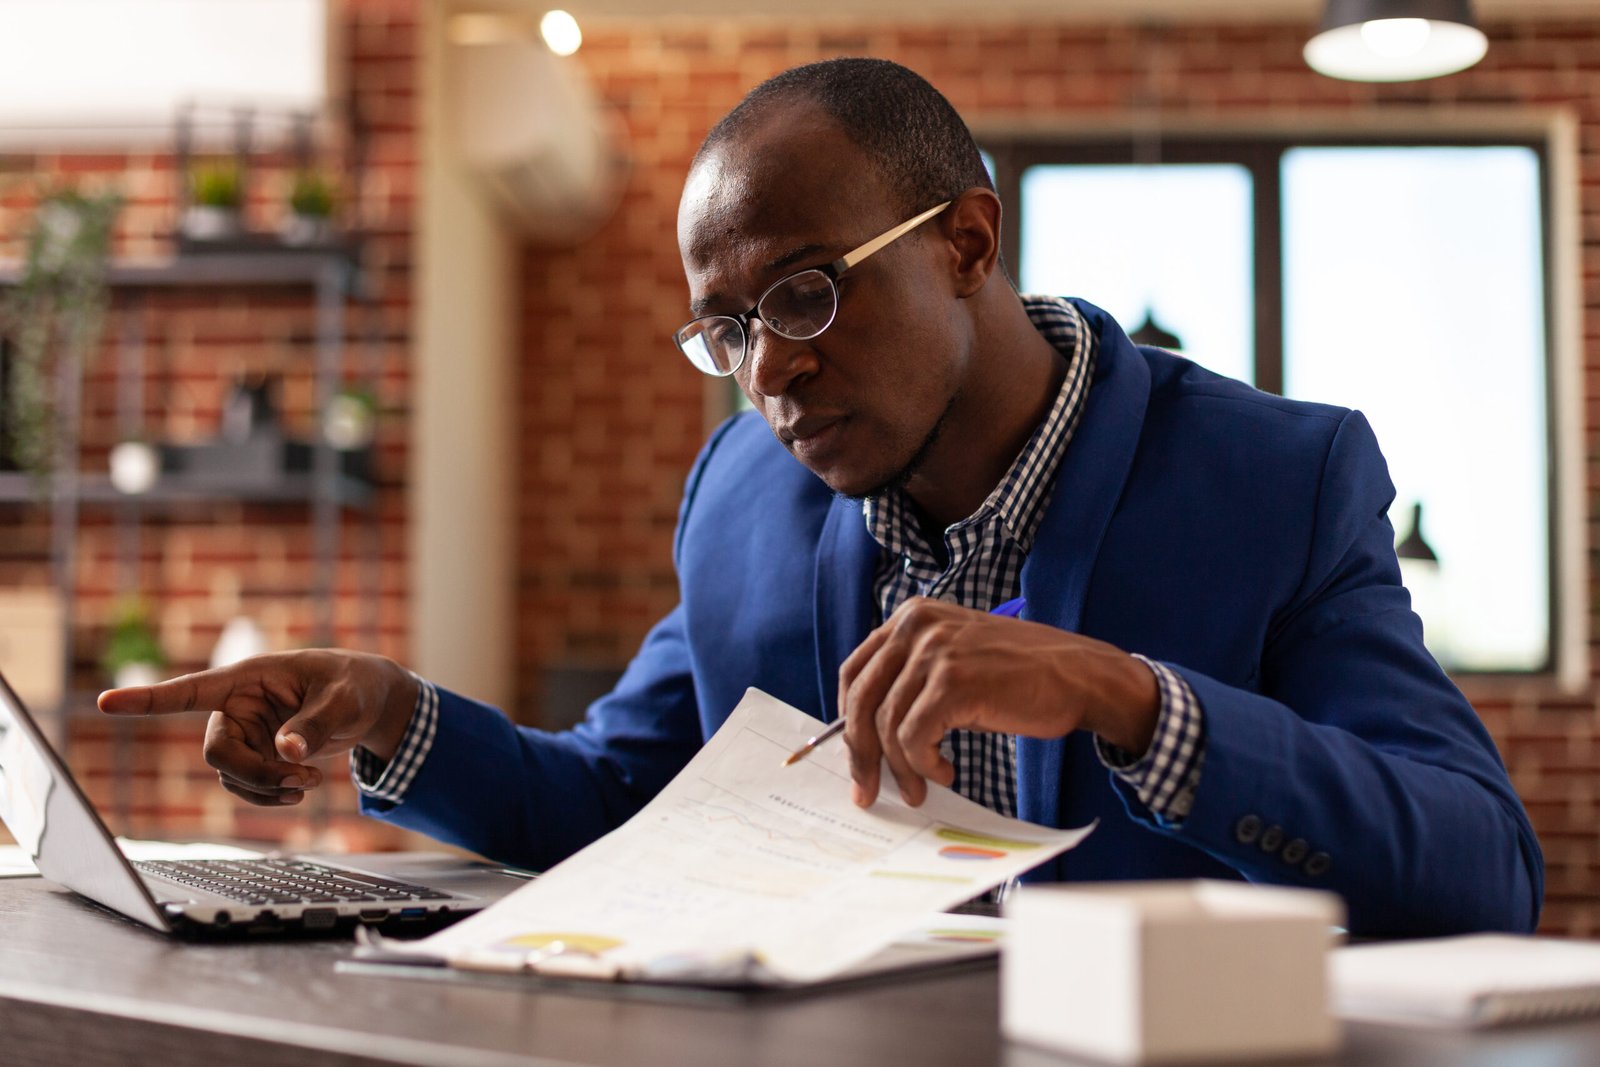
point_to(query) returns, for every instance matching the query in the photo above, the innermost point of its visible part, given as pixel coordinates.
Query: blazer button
(1271, 839)
(1295, 850)
(1318, 864)
(1247, 829)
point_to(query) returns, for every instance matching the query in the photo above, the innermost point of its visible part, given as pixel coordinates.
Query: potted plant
(216, 197)
(133, 653)
(311, 203)
(51, 320)
(351, 419)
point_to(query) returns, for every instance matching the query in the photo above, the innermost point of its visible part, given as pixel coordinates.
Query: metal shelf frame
(332, 273)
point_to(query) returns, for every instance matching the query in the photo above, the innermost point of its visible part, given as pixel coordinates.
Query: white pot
(349, 422)
(204, 222)
(135, 467)
(306, 230)
(241, 638)
(131, 674)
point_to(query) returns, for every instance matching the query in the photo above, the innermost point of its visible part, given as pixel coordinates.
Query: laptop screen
(52, 820)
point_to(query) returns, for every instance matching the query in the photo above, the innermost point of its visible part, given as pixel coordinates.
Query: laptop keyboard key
(278, 881)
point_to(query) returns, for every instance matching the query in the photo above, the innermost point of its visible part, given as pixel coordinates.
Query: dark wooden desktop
(81, 986)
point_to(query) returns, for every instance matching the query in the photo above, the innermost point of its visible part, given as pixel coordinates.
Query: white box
(1169, 972)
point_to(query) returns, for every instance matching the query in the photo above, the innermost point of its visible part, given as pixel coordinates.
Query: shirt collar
(1019, 499)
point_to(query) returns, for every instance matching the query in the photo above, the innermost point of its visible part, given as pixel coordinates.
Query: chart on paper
(742, 862)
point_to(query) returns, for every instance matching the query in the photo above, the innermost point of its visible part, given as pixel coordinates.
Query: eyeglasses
(799, 307)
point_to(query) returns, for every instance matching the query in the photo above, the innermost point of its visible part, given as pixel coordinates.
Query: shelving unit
(331, 273)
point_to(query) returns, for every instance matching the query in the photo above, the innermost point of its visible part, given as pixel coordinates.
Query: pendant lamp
(1413, 546)
(1154, 334)
(1395, 40)
(1424, 579)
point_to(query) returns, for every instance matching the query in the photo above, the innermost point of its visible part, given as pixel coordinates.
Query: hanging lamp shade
(1413, 546)
(1155, 335)
(1395, 40)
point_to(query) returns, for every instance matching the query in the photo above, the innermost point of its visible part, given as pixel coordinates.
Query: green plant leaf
(52, 318)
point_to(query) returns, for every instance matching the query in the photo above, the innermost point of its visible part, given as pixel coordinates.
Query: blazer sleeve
(1358, 745)
(531, 797)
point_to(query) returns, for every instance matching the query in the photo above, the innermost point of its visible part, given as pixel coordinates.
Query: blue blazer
(1241, 538)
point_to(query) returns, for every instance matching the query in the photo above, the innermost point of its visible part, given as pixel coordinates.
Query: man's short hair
(921, 146)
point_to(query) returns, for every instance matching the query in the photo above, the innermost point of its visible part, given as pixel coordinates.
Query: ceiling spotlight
(560, 31)
(1395, 40)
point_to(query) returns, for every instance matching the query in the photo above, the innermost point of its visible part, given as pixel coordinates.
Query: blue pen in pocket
(1012, 607)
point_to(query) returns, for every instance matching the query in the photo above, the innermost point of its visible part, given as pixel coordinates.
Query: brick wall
(201, 564)
(612, 415)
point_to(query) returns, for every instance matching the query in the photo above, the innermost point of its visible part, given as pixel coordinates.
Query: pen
(1011, 608)
(834, 727)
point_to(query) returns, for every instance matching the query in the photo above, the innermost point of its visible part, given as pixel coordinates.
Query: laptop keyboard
(285, 881)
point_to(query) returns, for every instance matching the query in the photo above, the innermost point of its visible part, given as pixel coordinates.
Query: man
(959, 446)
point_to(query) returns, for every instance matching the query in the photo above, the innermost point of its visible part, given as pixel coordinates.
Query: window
(117, 72)
(1404, 279)
(1175, 238)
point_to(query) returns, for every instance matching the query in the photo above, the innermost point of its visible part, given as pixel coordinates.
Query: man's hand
(272, 713)
(933, 667)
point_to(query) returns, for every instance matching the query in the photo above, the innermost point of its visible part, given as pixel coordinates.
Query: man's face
(859, 403)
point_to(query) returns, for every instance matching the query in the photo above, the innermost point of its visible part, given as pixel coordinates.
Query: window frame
(1261, 154)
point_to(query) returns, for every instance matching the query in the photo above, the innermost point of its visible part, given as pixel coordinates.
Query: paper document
(1470, 981)
(746, 871)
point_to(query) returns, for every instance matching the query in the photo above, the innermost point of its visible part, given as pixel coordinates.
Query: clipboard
(952, 943)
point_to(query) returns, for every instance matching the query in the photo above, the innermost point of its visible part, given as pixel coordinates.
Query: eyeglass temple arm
(856, 255)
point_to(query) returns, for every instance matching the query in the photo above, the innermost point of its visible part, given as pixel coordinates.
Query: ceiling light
(560, 31)
(1395, 40)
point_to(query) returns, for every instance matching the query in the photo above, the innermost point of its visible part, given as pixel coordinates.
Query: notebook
(54, 823)
(1477, 980)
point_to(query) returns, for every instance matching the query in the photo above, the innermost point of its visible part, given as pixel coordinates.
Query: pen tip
(794, 757)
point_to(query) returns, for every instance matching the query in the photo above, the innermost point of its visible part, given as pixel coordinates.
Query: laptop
(51, 818)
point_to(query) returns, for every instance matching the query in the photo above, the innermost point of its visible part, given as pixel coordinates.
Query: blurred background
(348, 322)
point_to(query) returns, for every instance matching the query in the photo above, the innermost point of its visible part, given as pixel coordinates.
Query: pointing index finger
(204, 691)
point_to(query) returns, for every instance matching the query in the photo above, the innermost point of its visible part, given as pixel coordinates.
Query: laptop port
(374, 915)
(319, 918)
(413, 913)
(222, 918)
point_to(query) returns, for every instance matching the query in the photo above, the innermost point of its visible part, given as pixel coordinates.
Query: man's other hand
(933, 667)
(271, 714)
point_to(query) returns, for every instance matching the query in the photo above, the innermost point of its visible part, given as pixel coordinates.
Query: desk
(81, 986)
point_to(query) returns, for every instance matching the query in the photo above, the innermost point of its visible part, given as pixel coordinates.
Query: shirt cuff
(1165, 777)
(389, 781)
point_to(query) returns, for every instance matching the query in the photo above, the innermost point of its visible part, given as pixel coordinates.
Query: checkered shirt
(389, 781)
(982, 567)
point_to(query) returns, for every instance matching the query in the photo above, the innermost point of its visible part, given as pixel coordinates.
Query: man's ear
(972, 226)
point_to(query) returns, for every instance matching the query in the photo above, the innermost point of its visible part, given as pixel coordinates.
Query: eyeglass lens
(714, 344)
(798, 307)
